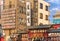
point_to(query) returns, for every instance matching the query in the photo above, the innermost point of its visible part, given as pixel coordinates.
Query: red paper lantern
(1, 38)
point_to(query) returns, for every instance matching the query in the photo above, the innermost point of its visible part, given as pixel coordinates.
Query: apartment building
(20, 14)
(33, 13)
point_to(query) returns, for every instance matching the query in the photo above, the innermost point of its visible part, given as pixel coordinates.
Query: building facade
(8, 18)
(33, 13)
(56, 19)
(20, 14)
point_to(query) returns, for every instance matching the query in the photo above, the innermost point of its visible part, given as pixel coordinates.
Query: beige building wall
(43, 11)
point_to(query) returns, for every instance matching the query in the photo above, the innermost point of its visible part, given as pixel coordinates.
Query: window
(24, 10)
(41, 5)
(28, 20)
(41, 16)
(28, 6)
(46, 8)
(20, 19)
(4, 4)
(21, 9)
(28, 14)
(35, 0)
(46, 17)
(41, 24)
(36, 5)
(10, 4)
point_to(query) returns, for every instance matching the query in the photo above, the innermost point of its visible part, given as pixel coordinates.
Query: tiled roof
(57, 13)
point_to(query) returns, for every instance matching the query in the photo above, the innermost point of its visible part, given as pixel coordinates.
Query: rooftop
(57, 13)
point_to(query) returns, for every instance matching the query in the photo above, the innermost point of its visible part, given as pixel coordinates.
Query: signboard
(8, 18)
(37, 34)
(56, 26)
(28, 13)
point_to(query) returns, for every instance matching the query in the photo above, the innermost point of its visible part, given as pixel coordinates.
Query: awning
(40, 27)
(22, 32)
(53, 31)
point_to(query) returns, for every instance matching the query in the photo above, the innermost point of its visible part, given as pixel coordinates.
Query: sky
(54, 6)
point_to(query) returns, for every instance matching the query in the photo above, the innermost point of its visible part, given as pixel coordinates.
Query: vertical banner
(28, 13)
